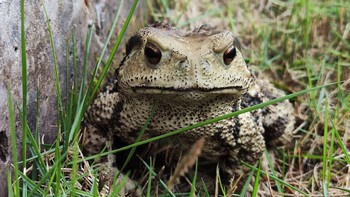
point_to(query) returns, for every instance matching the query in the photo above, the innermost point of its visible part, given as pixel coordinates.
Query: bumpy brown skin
(193, 82)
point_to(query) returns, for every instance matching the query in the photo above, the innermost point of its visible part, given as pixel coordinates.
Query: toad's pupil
(230, 55)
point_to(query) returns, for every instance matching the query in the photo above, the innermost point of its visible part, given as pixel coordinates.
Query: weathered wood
(65, 17)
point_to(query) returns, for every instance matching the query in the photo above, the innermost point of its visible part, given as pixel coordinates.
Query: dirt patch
(4, 146)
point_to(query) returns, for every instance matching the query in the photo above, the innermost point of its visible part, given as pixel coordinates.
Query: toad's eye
(152, 53)
(229, 55)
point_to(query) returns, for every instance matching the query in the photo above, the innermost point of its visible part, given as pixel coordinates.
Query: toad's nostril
(182, 64)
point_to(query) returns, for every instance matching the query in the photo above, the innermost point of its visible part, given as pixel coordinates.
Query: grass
(24, 96)
(302, 46)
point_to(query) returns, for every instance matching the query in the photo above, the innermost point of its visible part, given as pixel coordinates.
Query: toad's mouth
(172, 90)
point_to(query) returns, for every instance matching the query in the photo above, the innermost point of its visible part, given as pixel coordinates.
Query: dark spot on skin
(275, 130)
(236, 107)
(264, 111)
(248, 100)
(134, 41)
(237, 44)
(3, 146)
(256, 116)
(236, 129)
(268, 94)
(244, 156)
(217, 138)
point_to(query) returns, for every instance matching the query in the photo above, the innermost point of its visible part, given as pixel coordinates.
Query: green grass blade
(325, 152)
(67, 93)
(35, 139)
(85, 64)
(74, 178)
(267, 155)
(79, 113)
(325, 188)
(342, 189)
(13, 143)
(246, 184)
(42, 154)
(194, 181)
(330, 156)
(48, 174)
(160, 181)
(24, 95)
(116, 188)
(57, 161)
(81, 96)
(31, 184)
(114, 50)
(51, 178)
(276, 179)
(149, 183)
(56, 76)
(256, 183)
(143, 129)
(9, 183)
(94, 188)
(222, 188)
(104, 48)
(35, 150)
(82, 99)
(205, 188)
(341, 144)
(75, 91)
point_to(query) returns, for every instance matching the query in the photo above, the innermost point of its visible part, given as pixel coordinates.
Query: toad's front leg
(100, 117)
(248, 147)
(278, 119)
(100, 120)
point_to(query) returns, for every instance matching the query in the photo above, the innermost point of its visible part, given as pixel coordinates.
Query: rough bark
(65, 17)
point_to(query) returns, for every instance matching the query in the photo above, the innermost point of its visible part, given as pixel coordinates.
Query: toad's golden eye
(229, 55)
(152, 53)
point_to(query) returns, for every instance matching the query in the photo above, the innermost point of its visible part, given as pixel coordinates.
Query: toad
(191, 76)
